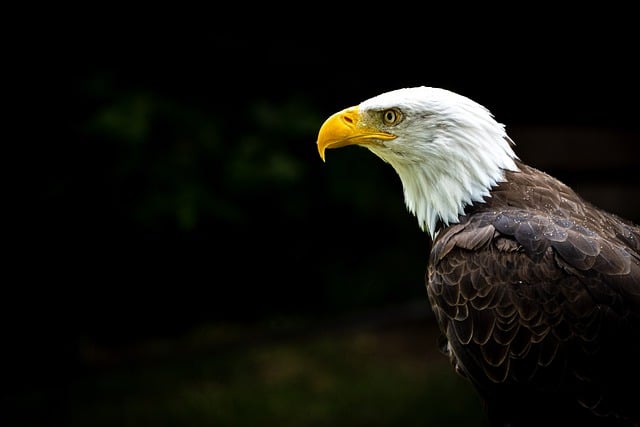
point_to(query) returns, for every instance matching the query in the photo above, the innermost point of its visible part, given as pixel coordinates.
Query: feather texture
(567, 318)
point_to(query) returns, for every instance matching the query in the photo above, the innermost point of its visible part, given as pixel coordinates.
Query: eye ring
(392, 116)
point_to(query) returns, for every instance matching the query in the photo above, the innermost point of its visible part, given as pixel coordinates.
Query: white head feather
(449, 151)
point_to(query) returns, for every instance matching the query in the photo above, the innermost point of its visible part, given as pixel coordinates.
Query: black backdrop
(169, 174)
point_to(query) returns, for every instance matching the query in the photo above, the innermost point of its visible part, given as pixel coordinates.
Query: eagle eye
(391, 116)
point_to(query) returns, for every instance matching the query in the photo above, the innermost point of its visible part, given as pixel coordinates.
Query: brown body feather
(537, 293)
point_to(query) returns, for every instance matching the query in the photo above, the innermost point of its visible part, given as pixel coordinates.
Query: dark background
(169, 179)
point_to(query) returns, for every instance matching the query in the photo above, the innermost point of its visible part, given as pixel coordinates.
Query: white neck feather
(439, 189)
(451, 161)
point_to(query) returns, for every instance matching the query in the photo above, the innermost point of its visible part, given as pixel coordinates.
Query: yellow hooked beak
(346, 127)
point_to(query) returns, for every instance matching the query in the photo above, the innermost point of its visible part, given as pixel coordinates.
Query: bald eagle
(535, 290)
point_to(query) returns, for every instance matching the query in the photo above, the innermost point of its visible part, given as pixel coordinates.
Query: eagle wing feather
(522, 296)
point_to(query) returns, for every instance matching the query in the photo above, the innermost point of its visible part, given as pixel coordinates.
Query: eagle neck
(438, 189)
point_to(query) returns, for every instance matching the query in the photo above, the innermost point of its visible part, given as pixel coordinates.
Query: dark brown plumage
(537, 293)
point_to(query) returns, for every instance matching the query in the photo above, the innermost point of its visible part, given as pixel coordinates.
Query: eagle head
(447, 149)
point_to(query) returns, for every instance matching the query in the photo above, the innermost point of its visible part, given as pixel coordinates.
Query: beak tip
(321, 152)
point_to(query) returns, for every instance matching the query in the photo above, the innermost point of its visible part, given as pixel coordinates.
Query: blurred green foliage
(226, 376)
(194, 164)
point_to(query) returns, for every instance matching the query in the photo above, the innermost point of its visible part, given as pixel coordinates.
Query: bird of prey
(536, 291)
